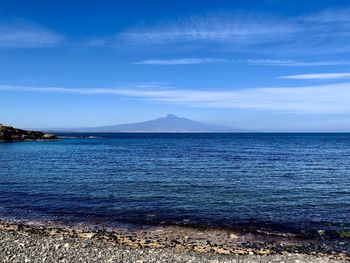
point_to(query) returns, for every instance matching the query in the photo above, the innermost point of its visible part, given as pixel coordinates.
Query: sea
(285, 182)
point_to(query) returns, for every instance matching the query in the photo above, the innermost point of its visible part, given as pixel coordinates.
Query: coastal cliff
(10, 134)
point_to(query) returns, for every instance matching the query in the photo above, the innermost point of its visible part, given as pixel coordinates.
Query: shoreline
(185, 240)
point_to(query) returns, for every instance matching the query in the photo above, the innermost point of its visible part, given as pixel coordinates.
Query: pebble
(172, 245)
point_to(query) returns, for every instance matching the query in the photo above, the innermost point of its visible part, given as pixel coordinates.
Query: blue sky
(265, 65)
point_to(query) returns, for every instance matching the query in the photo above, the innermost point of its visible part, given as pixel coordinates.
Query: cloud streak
(222, 29)
(256, 62)
(181, 61)
(295, 63)
(323, 99)
(330, 16)
(325, 32)
(23, 34)
(320, 76)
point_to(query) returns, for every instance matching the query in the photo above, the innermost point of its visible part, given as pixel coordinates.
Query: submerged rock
(10, 134)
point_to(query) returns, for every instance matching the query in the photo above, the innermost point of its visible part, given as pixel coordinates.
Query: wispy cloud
(326, 32)
(233, 28)
(332, 15)
(323, 99)
(257, 62)
(344, 75)
(181, 61)
(23, 34)
(98, 41)
(295, 63)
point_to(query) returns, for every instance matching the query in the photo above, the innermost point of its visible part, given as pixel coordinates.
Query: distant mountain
(169, 123)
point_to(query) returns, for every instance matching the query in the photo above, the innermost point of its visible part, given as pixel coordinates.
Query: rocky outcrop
(10, 134)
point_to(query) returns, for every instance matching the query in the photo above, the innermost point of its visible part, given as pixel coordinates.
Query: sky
(258, 65)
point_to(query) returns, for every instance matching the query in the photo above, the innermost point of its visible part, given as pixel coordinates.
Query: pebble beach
(39, 243)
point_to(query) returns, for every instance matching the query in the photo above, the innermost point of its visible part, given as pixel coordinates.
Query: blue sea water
(295, 182)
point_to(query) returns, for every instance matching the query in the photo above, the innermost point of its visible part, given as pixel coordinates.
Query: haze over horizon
(266, 65)
(168, 123)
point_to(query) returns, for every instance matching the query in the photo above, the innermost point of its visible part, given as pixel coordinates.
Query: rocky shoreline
(10, 134)
(166, 244)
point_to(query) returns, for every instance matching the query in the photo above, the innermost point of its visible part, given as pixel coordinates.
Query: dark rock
(10, 134)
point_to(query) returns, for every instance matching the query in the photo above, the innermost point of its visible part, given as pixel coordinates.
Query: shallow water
(289, 182)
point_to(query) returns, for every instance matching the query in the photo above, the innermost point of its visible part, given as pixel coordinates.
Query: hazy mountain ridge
(169, 123)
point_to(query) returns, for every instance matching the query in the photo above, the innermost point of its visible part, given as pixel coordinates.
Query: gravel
(17, 246)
